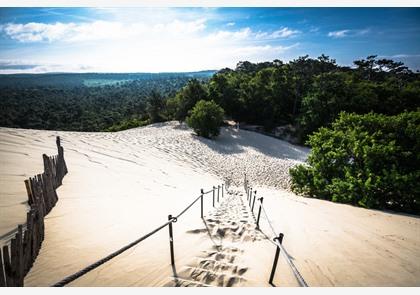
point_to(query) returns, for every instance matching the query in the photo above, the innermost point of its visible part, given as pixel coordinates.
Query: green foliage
(367, 160)
(206, 118)
(28, 101)
(310, 93)
(186, 98)
(128, 124)
(155, 107)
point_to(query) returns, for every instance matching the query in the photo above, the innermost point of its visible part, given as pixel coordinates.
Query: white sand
(122, 185)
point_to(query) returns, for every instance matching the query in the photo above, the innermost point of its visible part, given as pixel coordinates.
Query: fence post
(214, 188)
(223, 194)
(253, 202)
(202, 193)
(171, 241)
(276, 258)
(250, 197)
(218, 190)
(259, 211)
(2, 274)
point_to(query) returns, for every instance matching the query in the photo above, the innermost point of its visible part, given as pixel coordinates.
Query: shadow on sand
(233, 141)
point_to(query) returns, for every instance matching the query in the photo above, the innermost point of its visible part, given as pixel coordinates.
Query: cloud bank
(174, 45)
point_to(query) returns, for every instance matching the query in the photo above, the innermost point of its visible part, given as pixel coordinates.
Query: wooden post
(214, 188)
(2, 274)
(14, 261)
(60, 169)
(7, 267)
(218, 190)
(276, 258)
(223, 194)
(253, 202)
(29, 192)
(19, 246)
(29, 234)
(259, 212)
(202, 193)
(250, 198)
(171, 241)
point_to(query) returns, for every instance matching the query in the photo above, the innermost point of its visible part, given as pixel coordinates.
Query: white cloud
(314, 30)
(230, 24)
(104, 46)
(348, 33)
(97, 30)
(281, 33)
(242, 34)
(32, 66)
(338, 34)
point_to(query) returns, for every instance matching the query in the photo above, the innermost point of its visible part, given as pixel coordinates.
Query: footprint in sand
(221, 265)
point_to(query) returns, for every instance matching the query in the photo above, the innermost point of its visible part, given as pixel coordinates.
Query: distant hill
(91, 79)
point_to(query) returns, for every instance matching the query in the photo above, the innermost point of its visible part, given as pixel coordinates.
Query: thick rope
(87, 269)
(82, 272)
(268, 220)
(189, 206)
(284, 253)
(296, 272)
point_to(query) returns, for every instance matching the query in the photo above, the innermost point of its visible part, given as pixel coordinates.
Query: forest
(306, 93)
(84, 102)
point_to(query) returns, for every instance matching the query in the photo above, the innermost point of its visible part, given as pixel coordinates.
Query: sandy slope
(121, 185)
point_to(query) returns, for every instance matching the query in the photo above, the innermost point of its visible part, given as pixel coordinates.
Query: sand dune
(122, 185)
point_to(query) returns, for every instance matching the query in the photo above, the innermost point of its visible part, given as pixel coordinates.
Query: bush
(128, 124)
(206, 118)
(367, 160)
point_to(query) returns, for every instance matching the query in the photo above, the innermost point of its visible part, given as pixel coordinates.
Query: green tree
(155, 107)
(206, 118)
(186, 99)
(367, 160)
(329, 95)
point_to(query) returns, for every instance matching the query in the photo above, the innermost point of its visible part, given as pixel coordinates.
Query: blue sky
(189, 39)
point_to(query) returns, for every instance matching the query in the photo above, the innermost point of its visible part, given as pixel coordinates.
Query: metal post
(171, 241)
(202, 193)
(253, 202)
(214, 188)
(259, 213)
(218, 189)
(276, 258)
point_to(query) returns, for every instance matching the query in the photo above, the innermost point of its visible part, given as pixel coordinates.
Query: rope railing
(171, 220)
(277, 240)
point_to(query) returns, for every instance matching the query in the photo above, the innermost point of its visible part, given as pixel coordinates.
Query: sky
(37, 40)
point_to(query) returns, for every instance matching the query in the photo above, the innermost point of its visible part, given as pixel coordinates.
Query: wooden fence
(18, 255)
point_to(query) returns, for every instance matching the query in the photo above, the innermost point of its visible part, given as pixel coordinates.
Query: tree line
(307, 93)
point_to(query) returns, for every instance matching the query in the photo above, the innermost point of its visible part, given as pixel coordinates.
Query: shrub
(128, 124)
(206, 118)
(367, 160)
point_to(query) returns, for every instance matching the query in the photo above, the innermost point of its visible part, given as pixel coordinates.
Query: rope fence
(171, 219)
(277, 240)
(21, 246)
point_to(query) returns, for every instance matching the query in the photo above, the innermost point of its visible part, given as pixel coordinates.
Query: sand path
(229, 226)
